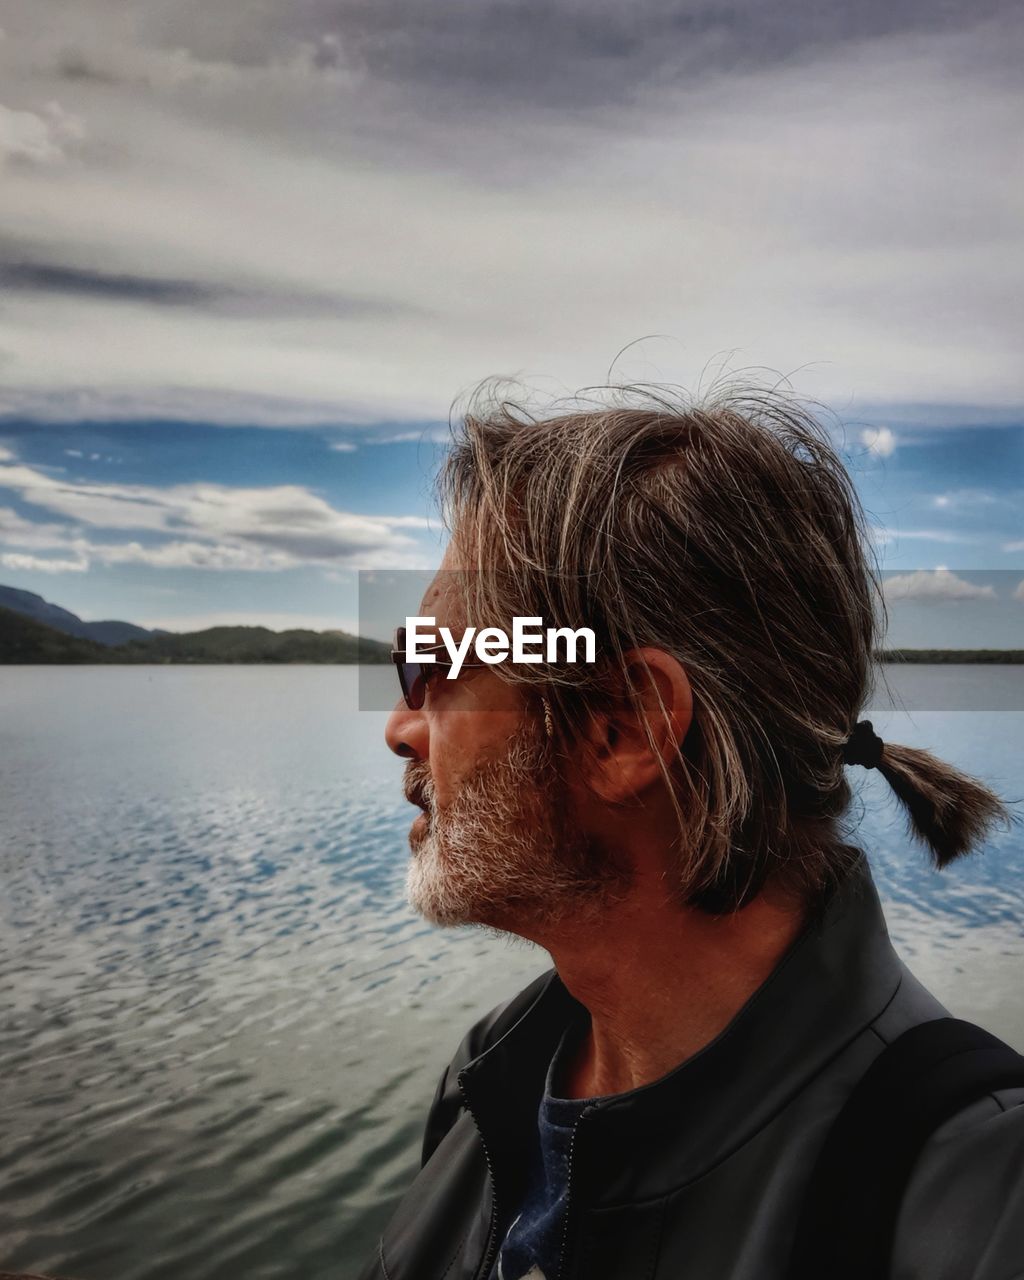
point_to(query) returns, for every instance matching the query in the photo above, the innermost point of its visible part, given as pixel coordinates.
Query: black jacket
(701, 1174)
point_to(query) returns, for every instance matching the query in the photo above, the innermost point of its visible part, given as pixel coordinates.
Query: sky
(253, 257)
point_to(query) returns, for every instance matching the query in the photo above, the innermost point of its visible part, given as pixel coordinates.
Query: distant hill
(951, 655)
(52, 615)
(254, 644)
(33, 630)
(23, 640)
(113, 633)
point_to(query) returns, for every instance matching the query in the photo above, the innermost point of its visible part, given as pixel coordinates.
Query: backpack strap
(929, 1073)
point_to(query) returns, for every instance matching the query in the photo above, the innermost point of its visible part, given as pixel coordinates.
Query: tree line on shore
(25, 640)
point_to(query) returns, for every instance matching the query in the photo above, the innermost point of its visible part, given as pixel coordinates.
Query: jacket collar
(835, 979)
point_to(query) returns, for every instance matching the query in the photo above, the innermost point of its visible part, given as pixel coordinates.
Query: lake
(220, 1024)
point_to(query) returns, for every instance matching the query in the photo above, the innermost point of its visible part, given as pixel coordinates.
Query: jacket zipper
(568, 1194)
(492, 1227)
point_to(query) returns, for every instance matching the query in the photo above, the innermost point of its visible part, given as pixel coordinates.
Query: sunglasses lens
(409, 674)
(414, 685)
(412, 676)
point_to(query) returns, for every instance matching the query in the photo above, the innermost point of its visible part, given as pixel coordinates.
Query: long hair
(727, 532)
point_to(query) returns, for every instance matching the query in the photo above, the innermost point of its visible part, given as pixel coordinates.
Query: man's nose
(406, 732)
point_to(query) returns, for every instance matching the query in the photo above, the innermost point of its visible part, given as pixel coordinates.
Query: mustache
(527, 755)
(417, 785)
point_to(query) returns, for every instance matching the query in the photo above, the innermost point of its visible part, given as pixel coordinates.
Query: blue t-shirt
(532, 1244)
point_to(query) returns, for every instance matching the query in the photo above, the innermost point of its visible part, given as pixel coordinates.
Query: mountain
(52, 615)
(33, 630)
(37, 631)
(945, 656)
(22, 639)
(113, 633)
(254, 644)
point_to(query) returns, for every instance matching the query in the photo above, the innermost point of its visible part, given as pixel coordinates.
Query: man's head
(499, 841)
(719, 553)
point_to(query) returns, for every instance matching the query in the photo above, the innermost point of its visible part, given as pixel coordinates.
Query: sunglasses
(413, 676)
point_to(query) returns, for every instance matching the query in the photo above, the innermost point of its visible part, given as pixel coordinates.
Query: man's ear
(625, 755)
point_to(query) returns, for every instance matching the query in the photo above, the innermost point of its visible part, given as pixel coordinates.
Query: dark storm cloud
(41, 277)
(47, 278)
(228, 195)
(553, 54)
(74, 65)
(455, 85)
(578, 52)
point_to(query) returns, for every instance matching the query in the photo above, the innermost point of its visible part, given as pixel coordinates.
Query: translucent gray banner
(955, 638)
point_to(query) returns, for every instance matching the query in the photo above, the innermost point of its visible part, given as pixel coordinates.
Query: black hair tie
(863, 746)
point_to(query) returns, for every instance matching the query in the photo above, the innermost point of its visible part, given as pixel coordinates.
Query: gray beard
(505, 853)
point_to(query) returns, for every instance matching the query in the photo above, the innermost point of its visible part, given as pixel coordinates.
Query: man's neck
(660, 982)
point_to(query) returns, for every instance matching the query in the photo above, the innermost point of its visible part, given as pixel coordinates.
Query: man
(667, 824)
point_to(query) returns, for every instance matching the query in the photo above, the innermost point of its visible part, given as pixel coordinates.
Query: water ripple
(220, 1025)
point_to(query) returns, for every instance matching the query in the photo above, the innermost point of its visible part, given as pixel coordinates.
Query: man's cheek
(445, 775)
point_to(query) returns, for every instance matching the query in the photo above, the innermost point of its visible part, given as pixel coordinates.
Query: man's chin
(433, 889)
(426, 895)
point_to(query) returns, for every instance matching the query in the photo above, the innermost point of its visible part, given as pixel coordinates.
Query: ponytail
(948, 811)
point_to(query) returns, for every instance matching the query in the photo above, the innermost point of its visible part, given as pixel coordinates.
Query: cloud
(192, 555)
(42, 564)
(409, 522)
(424, 435)
(343, 446)
(180, 404)
(886, 536)
(44, 278)
(880, 441)
(341, 212)
(20, 274)
(16, 531)
(956, 499)
(501, 56)
(38, 138)
(935, 586)
(206, 526)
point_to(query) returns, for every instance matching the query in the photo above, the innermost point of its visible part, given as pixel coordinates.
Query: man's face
(496, 842)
